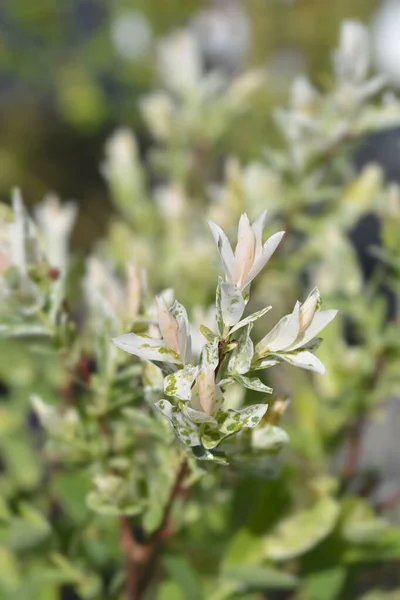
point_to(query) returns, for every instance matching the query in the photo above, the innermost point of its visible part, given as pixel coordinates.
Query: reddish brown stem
(139, 555)
(164, 525)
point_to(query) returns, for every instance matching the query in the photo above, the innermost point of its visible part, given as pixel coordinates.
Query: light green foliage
(178, 450)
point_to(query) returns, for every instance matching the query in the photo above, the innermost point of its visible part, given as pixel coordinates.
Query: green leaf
(208, 334)
(361, 525)
(324, 585)
(299, 533)
(182, 572)
(250, 577)
(29, 529)
(245, 547)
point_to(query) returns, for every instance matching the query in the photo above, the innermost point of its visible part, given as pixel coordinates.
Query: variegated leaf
(231, 421)
(209, 354)
(208, 334)
(219, 317)
(253, 383)
(250, 319)
(241, 357)
(232, 303)
(304, 360)
(146, 348)
(185, 429)
(179, 383)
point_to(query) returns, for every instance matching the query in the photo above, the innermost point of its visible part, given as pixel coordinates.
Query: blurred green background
(67, 80)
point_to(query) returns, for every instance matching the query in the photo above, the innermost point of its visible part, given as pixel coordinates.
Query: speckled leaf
(179, 384)
(209, 354)
(232, 303)
(241, 357)
(185, 429)
(232, 421)
(253, 383)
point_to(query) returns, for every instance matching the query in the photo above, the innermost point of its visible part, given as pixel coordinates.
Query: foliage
(187, 458)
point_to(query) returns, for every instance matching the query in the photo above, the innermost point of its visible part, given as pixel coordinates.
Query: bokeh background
(70, 72)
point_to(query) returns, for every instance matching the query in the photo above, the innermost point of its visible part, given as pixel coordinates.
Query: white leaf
(224, 249)
(250, 319)
(269, 248)
(269, 438)
(283, 334)
(320, 320)
(304, 360)
(146, 348)
(232, 303)
(184, 340)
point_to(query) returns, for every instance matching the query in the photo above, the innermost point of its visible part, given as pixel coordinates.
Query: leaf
(232, 421)
(261, 577)
(209, 354)
(264, 363)
(304, 360)
(146, 348)
(240, 360)
(250, 319)
(185, 429)
(179, 383)
(232, 303)
(29, 529)
(324, 585)
(361, 525)
(182, 572)
(219, 317)
(245, 547)
(253, 383)
(269, 438)
(302, 531)
(208, 334)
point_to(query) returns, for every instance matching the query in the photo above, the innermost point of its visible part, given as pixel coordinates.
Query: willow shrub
(201, 460)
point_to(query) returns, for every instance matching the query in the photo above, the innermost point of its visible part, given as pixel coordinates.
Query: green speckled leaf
(185, 429)
(209, 354)
(179, 383)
